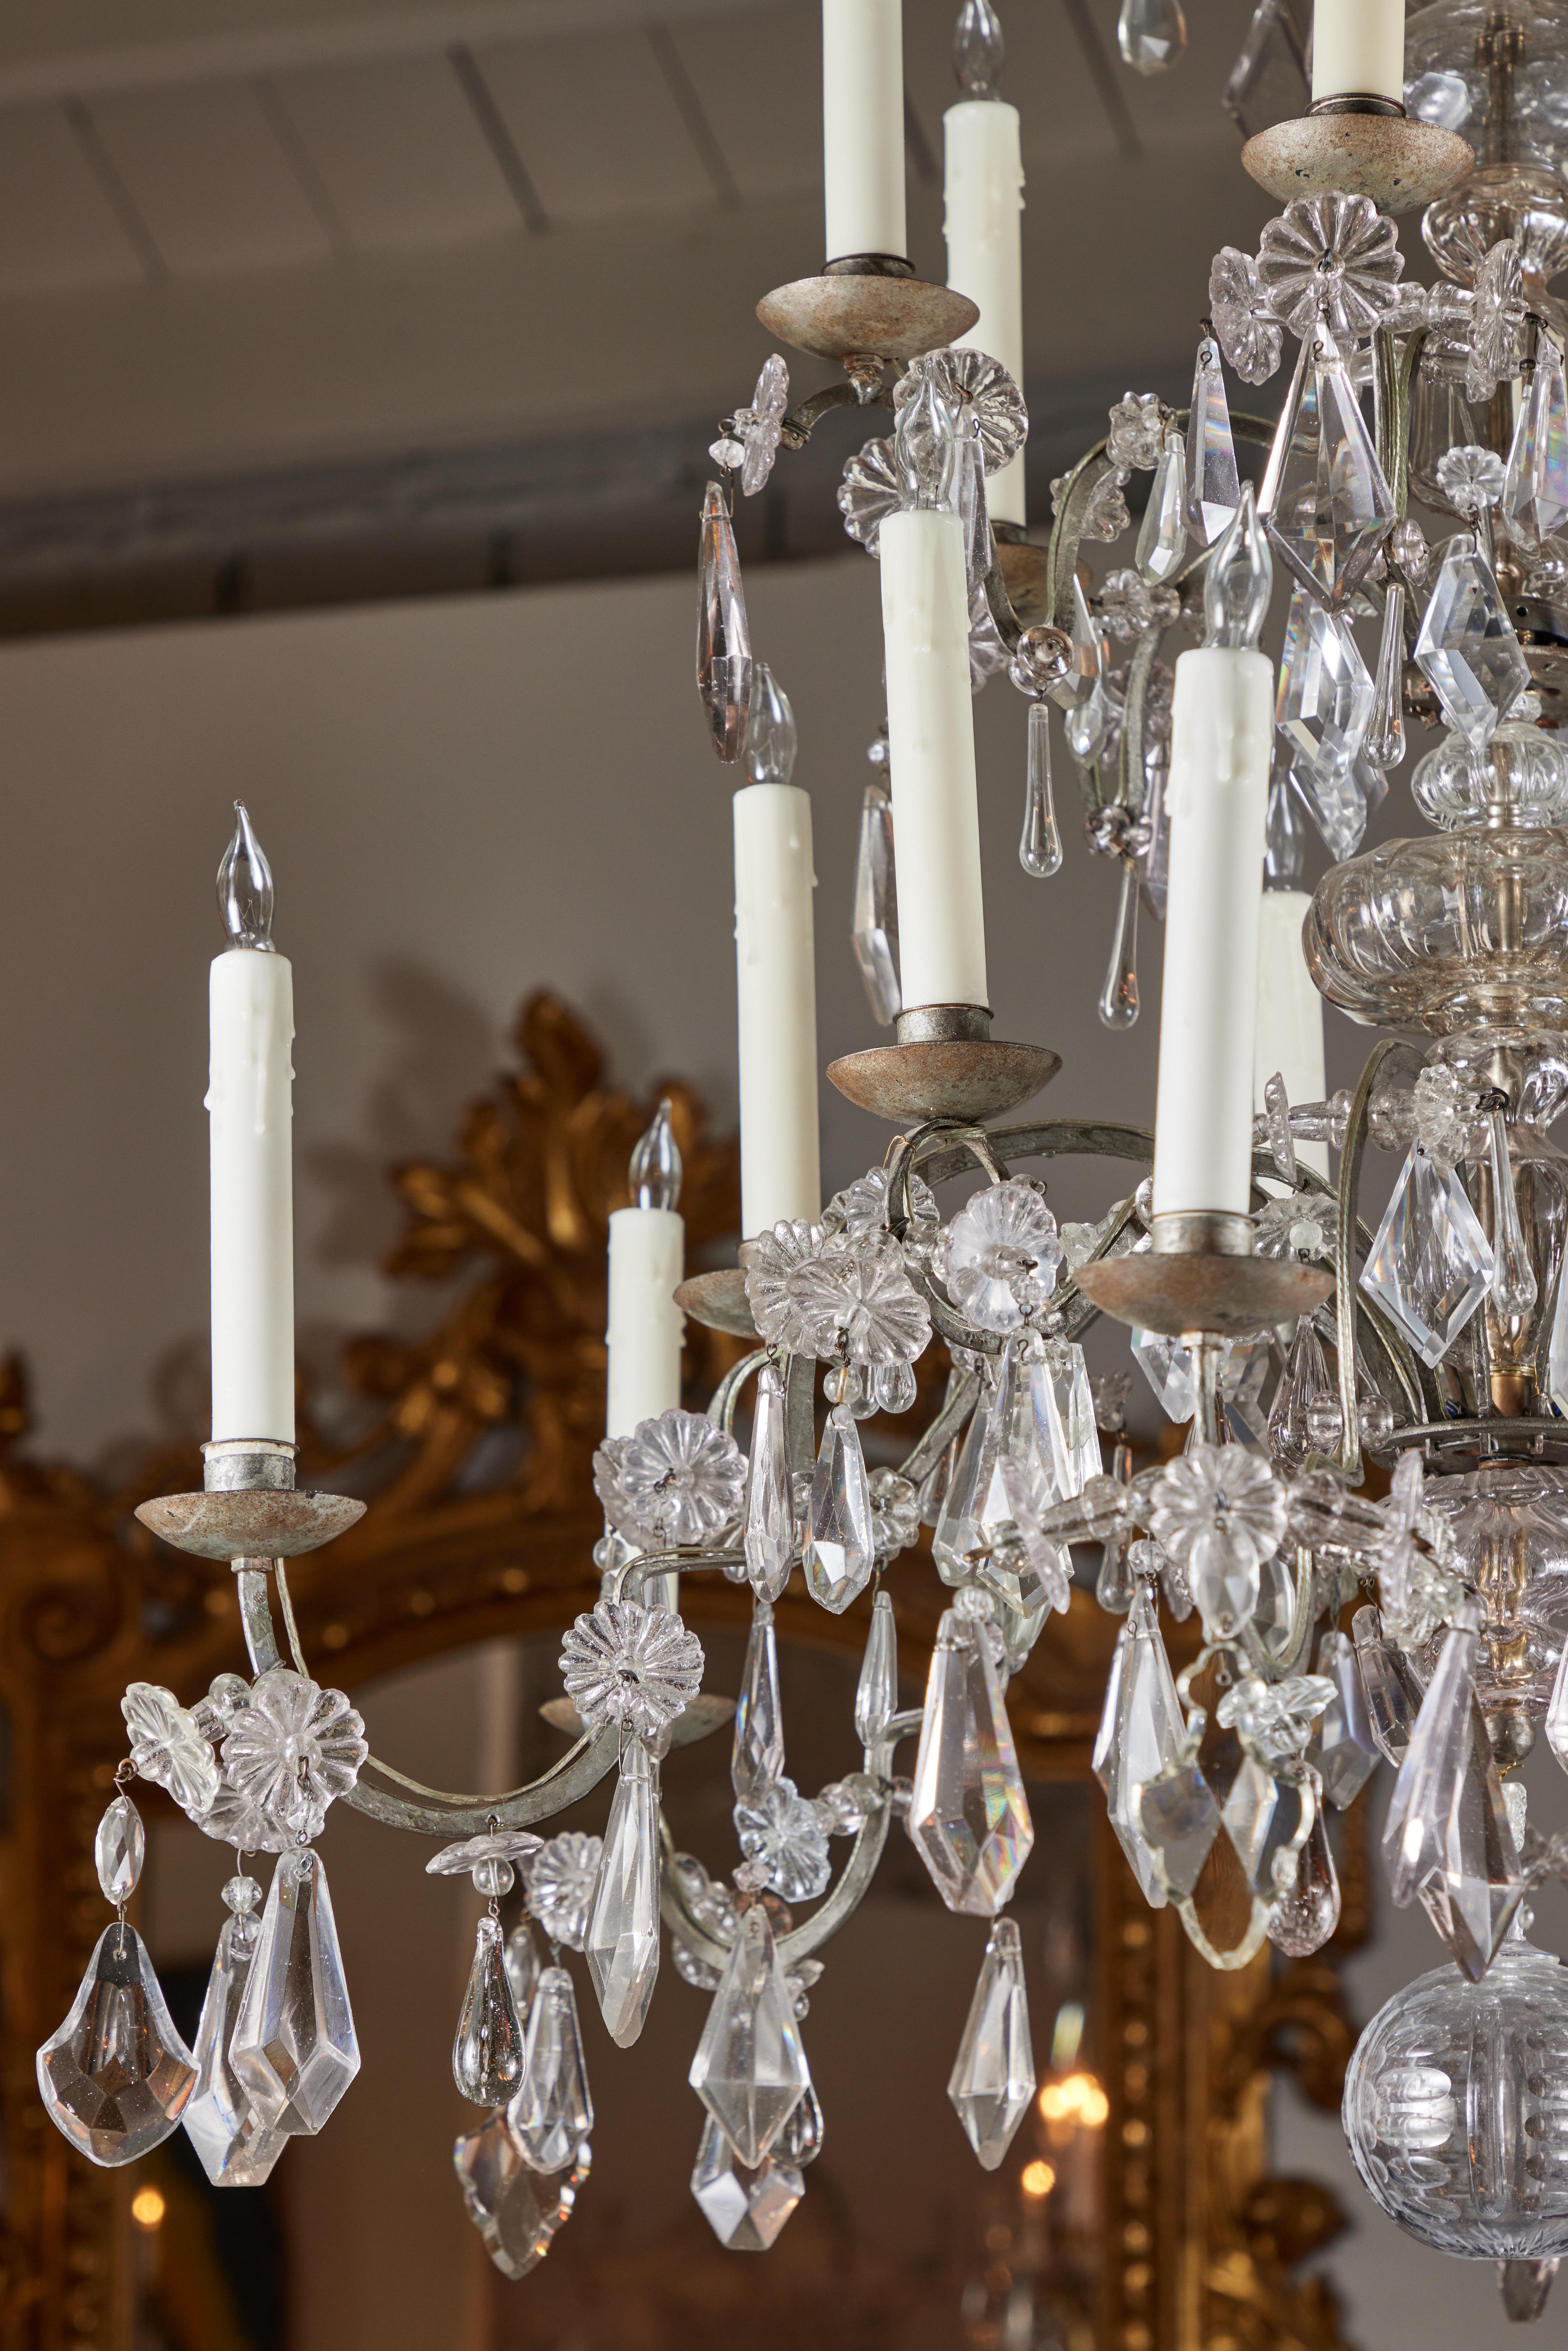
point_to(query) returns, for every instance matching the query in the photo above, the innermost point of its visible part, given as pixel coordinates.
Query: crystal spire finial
(245, 887)
(770, 729)
(1237, 585)
(655, 1172)
(978, 51)
(724, 633)
(1213, 484)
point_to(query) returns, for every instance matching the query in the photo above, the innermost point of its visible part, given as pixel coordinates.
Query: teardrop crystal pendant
(552, 2113)
(1114, 1583)
(1151, 35)
(622, 1944)
(116, 2077)
(1162, 536)
(119, 1850)
(1146, 1739)
(294, 2047)
(873, 927)
(487, 2053)
(1535, 489)
(757, 1757)
(1385, 731)
(1306, 1914)
(1513, 1277)
(750, 2069)
(1430, 1264)
(768, 1522)
(1296, 1417)
(1062, 1405)
(993, 2077)
(1213, 482)
(517, 2210)
(723, 638)
(969, 1816)
(876, 1692)
(1039, 844)
(743, 2213)
(1118, 1005)
(235, 2150)
(839, 1550)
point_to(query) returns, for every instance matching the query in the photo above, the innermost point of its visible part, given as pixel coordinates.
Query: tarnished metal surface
(704, 1714)
(719, 1302)
(1231, 1296)
(1186, 1232)
(1026, 573)
(258, 1522)
(975, 1080)
(230, 1464)
(1399, 164)
(885, 318)
(943, 1024)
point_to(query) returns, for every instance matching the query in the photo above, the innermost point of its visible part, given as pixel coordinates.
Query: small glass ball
(494, 1877)
(242, 1896)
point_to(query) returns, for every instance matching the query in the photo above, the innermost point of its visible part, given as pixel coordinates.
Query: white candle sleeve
(1289, 1013)
(931, 760)
(1358, 49)
(647, 1258)
(1222, 727)
(250, 1117)
(862, 128)
(983, 187)
(775, 987)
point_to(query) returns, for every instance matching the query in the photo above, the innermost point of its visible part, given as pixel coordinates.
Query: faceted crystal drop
(746, 2214)
(750, 2069)
(1179, 1820)
(1303, 1390)
(1394, 1696)
(1039, 845)
(873, 930)
(1333, 509)
(1167, 1365)
(1525, 2286)
(1149, 1736)
(757, 1760)
(1162, 537)
(723, 638)
(518, 2212)
(1345, 1750)
(487, 2053)
(1088, 665)
(1473, 660)
(1386, 733)
(552, 2113)
(993, 2077)
(622, 1944)
(876, 1692)
(294, 2047)
(1118, 1004)
(767, 1520)
(118, 1849)
(1447, 1839)
(1151, 35)
(1066, 1434)
(1213, 484)
(1305, 1917)
(1535, 491)
(1513, 1277)
(1102, 1762)
(1113, 1583)
(522, 1968)
(235, 2150)
(116, 2077)
(1323, 710)
(840, 1550)
(1430, 1264)
(969, 1816)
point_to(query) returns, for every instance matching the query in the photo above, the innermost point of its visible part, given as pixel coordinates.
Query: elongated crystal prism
(876, 1692)
(1514, 1276)
(522, 1968)
(1039, 844)
(1148, 1736)
(517, 2210)
(873, 927)
(1345, 1750)
(1332, 508)
(552, 2113)
(969, 1816)
(1213, 482)
(622, 1944)
(119, 1850)
(1066, 1431)
(993, 2077)
(1385, 730)
(756, 1759)
(1102, 1762)
(1394, 1696)
(116, 2077)
(1162, 536)
(749, 2069)
(1467, 646)
(841, 1551)
(487, 2051)
(1323, 710)
(1118, 1000)
(1430, 1264)
(1535, 489)
(768, 1518)
(746, 2213)
(235, 2150)
(724, 636)
(294, 2044)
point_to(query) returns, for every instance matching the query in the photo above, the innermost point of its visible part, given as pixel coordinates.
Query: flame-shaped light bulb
(979, 52)
(1240, 580)
(655, 1172)
(925, 446)
(1283, 846)
(769, 730)
(245, 887)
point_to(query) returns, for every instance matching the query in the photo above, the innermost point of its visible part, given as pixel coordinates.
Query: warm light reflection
(1039, 2178)
(1078, 2098)
(147, 2208)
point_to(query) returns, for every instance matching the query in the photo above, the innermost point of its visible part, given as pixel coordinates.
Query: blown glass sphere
(1455, 2108)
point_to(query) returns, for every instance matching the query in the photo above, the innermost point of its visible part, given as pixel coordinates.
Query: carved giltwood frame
(1202, 2243)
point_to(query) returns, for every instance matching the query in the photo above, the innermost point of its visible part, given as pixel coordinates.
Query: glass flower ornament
(1277, 1717)
(1137, 434)
(782, 1831)
(637, 1667)
(970, 379)
(677, 1478)
(1220, 1512)
(292, 1750)
(835, 1296)
(1331, 257)
(1002, 1256)
(868, 491)
(1249, 339)
(561, 1879)
(895, 1513)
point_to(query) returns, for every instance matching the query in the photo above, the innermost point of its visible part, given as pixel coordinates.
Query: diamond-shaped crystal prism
(622, 1944)
(294, 2047)
(744, 2212)
(552, 2113)
(750, 2069)
(993, 2077)
(841, 1548)
(1323, 706)
(235, 2150)
(1213, 482)
(1147, 1740)
(517, 2210)
(1473, 660)
(756, 1756)
(1430, 1264)
(1333, 508)
(116, 2077)
(969, 1816)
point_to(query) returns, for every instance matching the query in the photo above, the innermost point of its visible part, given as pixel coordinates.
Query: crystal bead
(242, 1896)
(1213, 482)
(749, 2069)
(517, 2210)
(746, 2214)
(876, 1692)
(294, 2047)
(1331, 508)
(1147, 1740)
(1039, 845)
(993, 2079)
(1535, 492)
(487, 2053)
(873, 925)
(1162, 536)
(235, 2150)
(1430, 1264)
(522, 1968)
(894, 1386)
(756, 1759)
(622, 1944)
(1467, 646)
(841, 1548)
(1117, 1005)
(118, 1849)
(116, 2077)
(968, 1817)
(1306, 1914)
(552, 2113)
(1151, 35)
(723, 638)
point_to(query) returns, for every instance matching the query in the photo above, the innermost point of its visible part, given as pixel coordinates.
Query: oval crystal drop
(120, 1848)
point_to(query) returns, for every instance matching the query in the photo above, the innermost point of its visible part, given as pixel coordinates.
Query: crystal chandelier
(1430, 1628)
